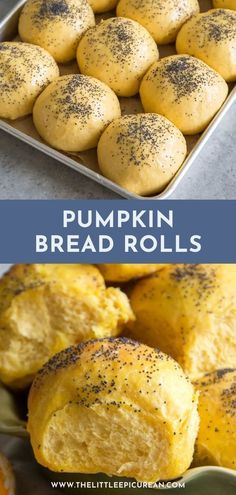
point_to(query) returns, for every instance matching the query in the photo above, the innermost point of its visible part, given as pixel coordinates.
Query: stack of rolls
(142, 387)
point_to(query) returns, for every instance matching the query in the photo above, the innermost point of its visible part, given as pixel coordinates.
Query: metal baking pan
(86, 162)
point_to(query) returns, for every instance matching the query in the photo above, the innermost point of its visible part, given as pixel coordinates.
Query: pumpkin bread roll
(224, 4)
(119, 52)
(185, 90)
(141, 152)
(189, 312)
(216, 442)
(113, 406)
(46, 308)
(7, 479)
(25, 71)
(72, 112)
(162, 18)
(56, 25)
(100, 6)
(211, 37)
(127, 272)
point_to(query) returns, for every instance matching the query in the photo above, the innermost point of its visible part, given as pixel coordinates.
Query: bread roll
(119, 52)
(72, 112)
(25, 71)
(211, 37)
(111, 406)
(216, 442)
(224, 4)
(56, 25)
(162, 18)
(188, 311)
(141, 152)
(185, 90)
(7, 479)
(126, 272)
(100, 6)
(46, 308)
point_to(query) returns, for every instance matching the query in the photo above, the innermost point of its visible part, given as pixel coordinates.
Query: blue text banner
(118, 231)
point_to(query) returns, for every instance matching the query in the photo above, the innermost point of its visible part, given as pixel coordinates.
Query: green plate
(208, 480)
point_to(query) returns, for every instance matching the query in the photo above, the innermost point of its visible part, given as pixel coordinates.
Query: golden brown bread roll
(7, 479)
(72, 112)
(56, 25)
(216, 442)
(224, 4)
(162, 18)
(141, 152)
(25, 71)
(126, 272)
(113, 406)
(185, 90)
(211, 37)
(119, 52)
(100, 6)
(46, 308)
(189, 312)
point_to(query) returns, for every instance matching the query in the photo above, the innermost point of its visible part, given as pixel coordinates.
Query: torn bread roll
(113, 406)
(46, 308)
(216, 442)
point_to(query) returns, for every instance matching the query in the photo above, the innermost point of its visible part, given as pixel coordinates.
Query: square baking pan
(86, 162)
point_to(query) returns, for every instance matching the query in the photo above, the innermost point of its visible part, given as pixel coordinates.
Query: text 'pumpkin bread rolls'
(100, 6)
(225, 4)
(189, 312)
(211, 37)
(119, 52)
(25, 70)
(141, 152)
(126, 272)
(56, 25)
(73, 111)
(162, 18)
(113, 406)
(216, 442)
(46, 308)
(185, 90)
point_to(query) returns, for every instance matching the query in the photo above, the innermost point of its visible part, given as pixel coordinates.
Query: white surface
(4, 268)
